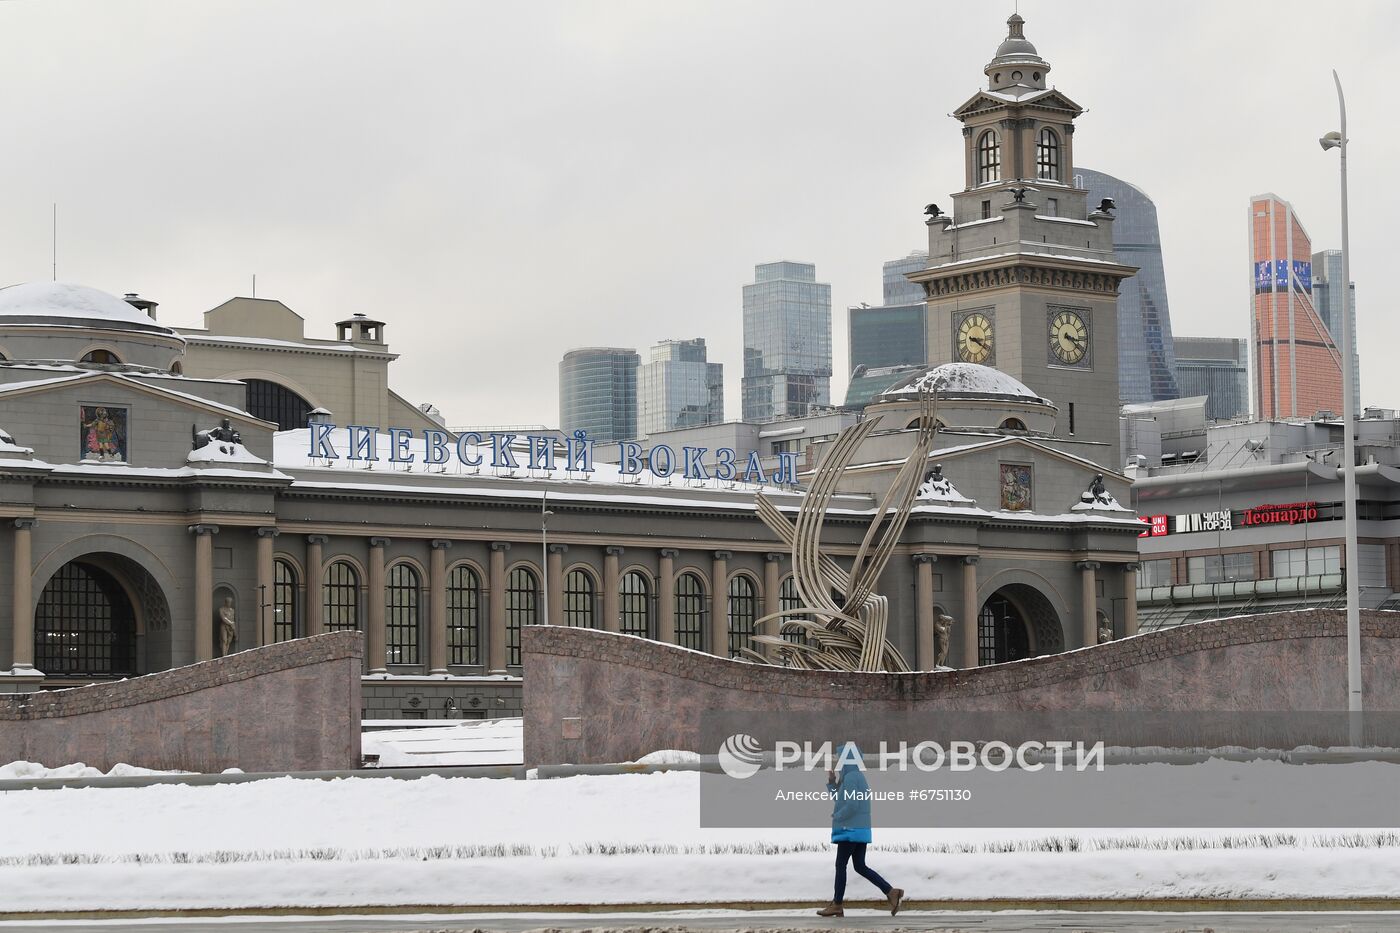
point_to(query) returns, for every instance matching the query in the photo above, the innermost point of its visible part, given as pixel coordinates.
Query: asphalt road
(766, 922)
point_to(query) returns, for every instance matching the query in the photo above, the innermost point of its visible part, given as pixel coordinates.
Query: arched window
(988, 157)
(789, 598)
(690, 612)
(85, 625)
(102, 357)
(1013, 424)
(578, 600)
(401, 597)
(286, 608)
(277, 403)
(1047, 155)
(177, 368)
(634, 605)
(521, 599)
(340, 598)
(463, 616)
(743, 610)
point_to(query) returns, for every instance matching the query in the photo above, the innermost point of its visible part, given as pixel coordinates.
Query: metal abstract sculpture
(842, 622)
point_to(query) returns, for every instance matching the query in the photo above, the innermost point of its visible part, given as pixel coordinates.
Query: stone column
(719, 604)
(496, 634)
(437, 606)
(375, 638)
(21, 584)
(611, 581)
(555, 582)
(315, 618)
(971, 609)
(1088, 602)
(923, 611)
(204, 590)
(1130, 620)
(267, 628)
(666, 597)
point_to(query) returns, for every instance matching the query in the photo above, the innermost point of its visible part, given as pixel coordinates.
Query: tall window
(286, 608)
(690, 612)
(988, 157)
(743, 610)
(340, 598)
(85, 625)
(789, 598)
(463, 616)
(1047, 155)
(401, 597)
(578, 600)
(634, 605)
(521, 597)
(277, 403)
(1154, 573)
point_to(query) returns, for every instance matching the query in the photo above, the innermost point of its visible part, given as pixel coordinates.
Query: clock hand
(977, 340)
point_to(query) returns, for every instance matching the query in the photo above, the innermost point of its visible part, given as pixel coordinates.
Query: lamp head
(1332, 140)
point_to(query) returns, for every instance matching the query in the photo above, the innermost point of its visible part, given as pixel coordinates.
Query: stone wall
(294, 706)
(594, 697)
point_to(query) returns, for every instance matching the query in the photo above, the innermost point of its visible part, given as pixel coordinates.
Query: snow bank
(469, 742)
(29, 770)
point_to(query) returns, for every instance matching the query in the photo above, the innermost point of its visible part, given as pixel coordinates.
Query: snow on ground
(29, 770)
(590, 839)
(469, 742)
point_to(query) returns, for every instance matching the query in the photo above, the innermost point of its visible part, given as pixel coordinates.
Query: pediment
(1048, 100)
(88, 383)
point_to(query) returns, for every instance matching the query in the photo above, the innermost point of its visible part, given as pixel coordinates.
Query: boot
(832, 910)
(896, 897)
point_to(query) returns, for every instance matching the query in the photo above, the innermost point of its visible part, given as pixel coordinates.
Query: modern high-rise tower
(1146, 354)
(1327, 299)
(1297, 367)
(787, 342)
(679, 388)
(598, 392)
(1022, 274)
(1218, 368)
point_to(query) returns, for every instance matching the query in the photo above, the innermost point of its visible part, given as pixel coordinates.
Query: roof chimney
(142, 304)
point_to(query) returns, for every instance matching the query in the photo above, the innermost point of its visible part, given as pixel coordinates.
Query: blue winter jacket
(850, 816)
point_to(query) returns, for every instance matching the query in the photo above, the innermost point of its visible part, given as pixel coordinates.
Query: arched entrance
(92, 618)
(1016, 622)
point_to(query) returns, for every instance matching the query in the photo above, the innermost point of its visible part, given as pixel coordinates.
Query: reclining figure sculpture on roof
(849, 635)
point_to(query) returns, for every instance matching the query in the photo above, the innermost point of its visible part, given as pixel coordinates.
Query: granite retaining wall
(293, 706)
(592, 697)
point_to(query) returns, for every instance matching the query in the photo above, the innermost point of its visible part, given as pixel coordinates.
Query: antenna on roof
(55, 242)
(255, 285)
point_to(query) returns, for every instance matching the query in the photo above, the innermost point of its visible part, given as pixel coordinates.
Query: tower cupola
(1017, 68)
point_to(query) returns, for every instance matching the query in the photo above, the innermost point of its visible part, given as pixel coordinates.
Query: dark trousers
(855, 852)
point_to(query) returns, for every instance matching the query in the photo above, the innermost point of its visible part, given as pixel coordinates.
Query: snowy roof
(35, 302)
(961, 380)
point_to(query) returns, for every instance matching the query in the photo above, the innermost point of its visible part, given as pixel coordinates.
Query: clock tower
(1021, 273)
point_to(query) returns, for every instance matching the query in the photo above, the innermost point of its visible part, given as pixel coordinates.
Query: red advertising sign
(1156, 526)
(1293, 513)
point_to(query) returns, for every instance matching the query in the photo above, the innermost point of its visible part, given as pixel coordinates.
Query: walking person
(850, 831)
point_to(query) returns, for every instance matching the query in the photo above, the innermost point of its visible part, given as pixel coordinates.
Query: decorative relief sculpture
(849, 635)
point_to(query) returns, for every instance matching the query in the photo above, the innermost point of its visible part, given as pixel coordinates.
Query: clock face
(1069, 337)
(975, 338)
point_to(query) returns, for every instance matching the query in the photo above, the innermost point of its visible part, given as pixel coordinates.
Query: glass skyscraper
(1146, 353)
(787, 342)
(598, 392)
(1327, 270)
(679, 388)
(1217, 367)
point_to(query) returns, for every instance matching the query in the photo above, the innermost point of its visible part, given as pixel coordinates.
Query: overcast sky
(505, 181)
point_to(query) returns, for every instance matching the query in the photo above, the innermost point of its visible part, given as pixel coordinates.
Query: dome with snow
(970, 397)
(64, 303)
(961, 380)
(58, 322)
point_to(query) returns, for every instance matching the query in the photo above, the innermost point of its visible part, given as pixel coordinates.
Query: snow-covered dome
(74, 305)
(962, 381)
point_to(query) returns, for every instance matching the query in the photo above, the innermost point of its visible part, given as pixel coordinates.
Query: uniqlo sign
(1157, 526)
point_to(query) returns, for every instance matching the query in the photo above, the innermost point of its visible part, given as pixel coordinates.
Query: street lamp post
(544, 555)
(1338, 140)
